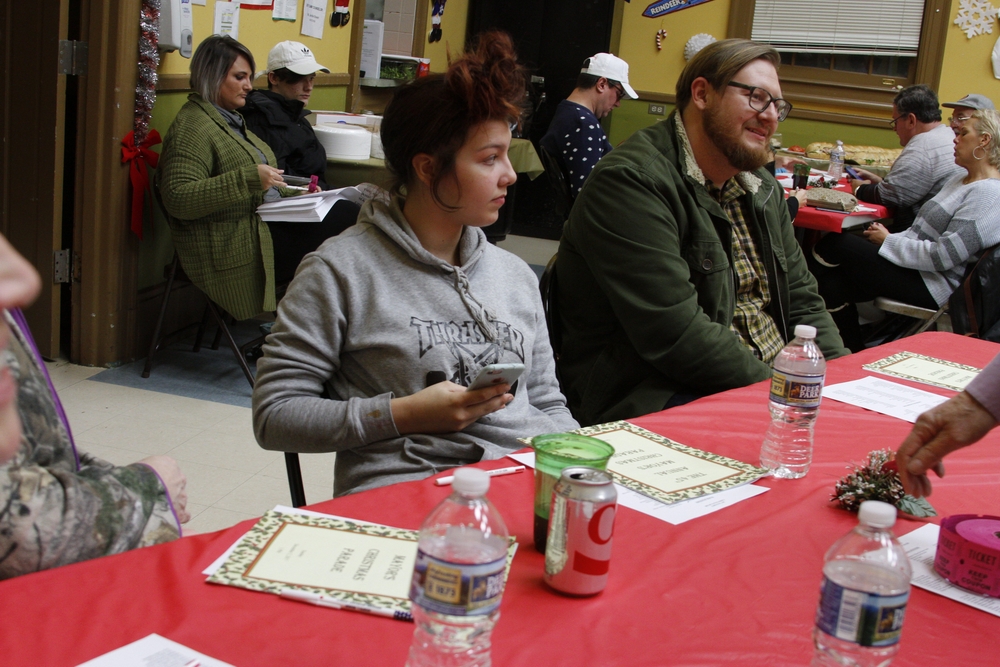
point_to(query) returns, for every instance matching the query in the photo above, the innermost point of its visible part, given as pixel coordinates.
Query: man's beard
(727, 138)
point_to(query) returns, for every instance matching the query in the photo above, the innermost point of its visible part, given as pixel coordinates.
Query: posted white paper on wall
(285, 10)
(313, 18)
(227, 19)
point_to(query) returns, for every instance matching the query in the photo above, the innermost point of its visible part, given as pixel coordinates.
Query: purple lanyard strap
(23, 326)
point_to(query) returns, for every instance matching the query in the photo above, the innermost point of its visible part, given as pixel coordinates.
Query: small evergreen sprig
(878, 479)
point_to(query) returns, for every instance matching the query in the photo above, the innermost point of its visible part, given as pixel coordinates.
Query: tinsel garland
(149, 61)
(137, 143)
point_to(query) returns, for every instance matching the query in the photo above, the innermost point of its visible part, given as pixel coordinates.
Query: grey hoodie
(367, 317)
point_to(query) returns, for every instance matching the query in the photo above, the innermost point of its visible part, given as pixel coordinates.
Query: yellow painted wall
(967, 67)
(453, 23)
(258, 32)
(657, 71)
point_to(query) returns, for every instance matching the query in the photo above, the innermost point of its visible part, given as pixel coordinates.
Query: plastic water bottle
(836, 169)
(459, 577)
(796, 390)
(862, 602)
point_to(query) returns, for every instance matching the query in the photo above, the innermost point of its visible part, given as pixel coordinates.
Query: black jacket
(282, 124)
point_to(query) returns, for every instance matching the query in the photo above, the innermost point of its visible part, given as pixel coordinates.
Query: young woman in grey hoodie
(386, 325)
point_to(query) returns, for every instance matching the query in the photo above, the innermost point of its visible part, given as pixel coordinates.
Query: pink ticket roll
(968, 552)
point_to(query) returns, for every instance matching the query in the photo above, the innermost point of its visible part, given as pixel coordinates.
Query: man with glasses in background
(678, 273)
(926, 163)
(575, 137)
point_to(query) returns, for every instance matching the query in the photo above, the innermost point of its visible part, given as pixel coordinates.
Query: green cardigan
(645, 286)
(208, 184)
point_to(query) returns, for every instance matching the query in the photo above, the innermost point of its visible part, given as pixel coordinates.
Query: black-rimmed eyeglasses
(759, 100)
(892, 123)
(620, 91)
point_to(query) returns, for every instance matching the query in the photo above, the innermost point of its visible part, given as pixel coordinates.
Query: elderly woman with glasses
(212, 176)
(925, 263)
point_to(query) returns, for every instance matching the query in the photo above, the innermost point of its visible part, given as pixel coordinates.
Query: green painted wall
(156, 249)
(634, 115)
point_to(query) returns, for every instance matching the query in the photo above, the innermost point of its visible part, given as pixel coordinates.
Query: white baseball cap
(294, 56)
(610, 67)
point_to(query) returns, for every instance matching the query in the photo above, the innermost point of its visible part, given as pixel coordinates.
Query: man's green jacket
(645, 289)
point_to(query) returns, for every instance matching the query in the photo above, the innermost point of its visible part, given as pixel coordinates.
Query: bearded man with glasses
(925, 165)
(678, 273)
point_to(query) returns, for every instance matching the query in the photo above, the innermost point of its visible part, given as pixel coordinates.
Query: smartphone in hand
(852, 173)
(494, 374)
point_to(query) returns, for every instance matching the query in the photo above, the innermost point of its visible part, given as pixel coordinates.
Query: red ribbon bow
(138, 158)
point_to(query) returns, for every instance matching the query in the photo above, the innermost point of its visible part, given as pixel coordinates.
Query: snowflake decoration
(975, 17)
(696, 44)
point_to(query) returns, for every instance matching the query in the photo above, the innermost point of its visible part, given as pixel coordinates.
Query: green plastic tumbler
(553, 452)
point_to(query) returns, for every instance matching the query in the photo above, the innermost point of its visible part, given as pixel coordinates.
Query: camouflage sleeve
(53, 513)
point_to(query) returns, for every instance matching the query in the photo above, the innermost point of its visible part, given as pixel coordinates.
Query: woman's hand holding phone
(446, 407)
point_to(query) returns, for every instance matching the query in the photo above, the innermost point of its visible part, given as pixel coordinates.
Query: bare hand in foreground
(269, 176)
(174, 480)
(954, 424)
(446, 407)
(802, 195)
(876, 233)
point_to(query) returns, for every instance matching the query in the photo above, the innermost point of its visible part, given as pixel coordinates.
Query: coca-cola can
(578, 549)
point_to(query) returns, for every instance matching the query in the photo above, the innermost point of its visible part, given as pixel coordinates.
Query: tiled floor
(230, 478)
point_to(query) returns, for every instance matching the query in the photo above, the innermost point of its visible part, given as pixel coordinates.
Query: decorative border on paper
(881, 366)
(745, 473)
(233, 570)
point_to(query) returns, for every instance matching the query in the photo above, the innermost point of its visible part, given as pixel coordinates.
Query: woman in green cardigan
(212, 176)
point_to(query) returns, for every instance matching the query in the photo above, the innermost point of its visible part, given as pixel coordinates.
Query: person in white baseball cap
(575, 137)
(278, 115)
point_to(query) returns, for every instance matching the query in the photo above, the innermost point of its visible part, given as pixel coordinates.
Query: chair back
(975, 305)
(557, 178)
(547, 286)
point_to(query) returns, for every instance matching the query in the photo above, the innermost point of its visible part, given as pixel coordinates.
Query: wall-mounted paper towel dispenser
(175, 26)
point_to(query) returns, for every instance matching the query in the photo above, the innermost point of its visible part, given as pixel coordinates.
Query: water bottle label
(866, 619)
(797, 391)
(457, 589)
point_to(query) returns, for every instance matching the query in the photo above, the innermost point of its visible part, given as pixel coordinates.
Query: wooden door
(32, 122)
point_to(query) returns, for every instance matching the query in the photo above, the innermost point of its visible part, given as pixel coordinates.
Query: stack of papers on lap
(311, 207)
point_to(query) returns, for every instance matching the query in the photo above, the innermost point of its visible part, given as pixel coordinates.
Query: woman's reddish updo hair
(434, 114)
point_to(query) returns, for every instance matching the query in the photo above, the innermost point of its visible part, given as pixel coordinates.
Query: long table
(737, 587)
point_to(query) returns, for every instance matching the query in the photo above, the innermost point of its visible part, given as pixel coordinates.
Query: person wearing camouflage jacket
(58, 506)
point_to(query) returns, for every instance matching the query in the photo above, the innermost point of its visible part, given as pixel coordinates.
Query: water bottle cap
(877, 514)
(471, 481)
(805, 331)
(839, 142)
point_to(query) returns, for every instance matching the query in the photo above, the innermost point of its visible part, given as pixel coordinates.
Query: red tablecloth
(738, 587)
(810, 217)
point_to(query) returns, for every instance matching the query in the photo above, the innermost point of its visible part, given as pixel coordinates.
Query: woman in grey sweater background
(924, 264)
(385, 326)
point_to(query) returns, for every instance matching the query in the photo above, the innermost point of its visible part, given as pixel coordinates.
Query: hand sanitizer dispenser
(175, 26)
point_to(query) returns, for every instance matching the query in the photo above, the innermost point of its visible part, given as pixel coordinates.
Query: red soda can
(578, 549)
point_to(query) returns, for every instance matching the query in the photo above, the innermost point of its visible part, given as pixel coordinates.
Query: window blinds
(871, 27)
